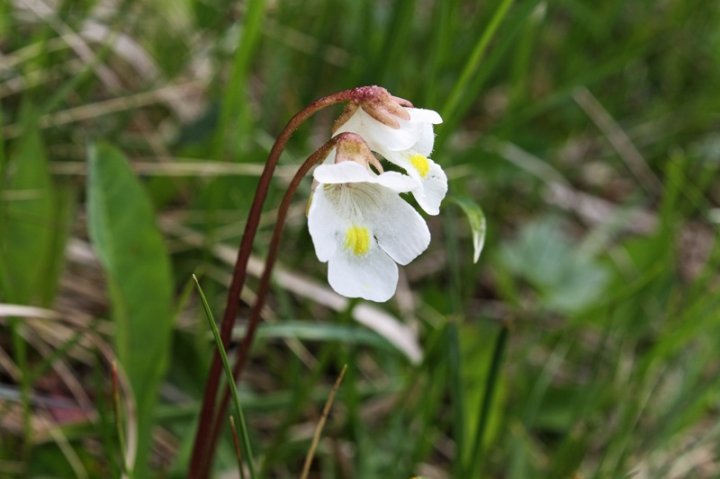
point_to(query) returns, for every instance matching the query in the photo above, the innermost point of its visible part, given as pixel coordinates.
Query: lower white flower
(361, 227)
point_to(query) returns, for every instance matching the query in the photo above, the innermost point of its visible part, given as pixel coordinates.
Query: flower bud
(351, 147)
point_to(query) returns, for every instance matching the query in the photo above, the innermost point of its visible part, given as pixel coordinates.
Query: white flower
(409, 146)
(361, 227)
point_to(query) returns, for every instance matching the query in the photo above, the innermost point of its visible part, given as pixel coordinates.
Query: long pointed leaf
(122, 228)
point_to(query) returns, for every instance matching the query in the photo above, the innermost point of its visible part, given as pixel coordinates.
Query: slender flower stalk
(201, 452)
(357, 195)
(264, 285)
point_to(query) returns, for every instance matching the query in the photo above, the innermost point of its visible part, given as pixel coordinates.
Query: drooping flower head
(404, 136)
(360, 225)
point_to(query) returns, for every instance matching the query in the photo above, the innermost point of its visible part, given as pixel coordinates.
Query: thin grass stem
(117, 410)
(477, 454)
(236, 445)
(321, 424)
(473, 63)
(245, 443)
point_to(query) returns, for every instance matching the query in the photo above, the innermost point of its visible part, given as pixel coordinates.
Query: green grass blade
(477, 453)
(457, 394)
(245, 442)
(235, 115)
(473, 64)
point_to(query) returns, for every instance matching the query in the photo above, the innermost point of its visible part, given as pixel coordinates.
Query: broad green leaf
(122, 228)
(567, 278)
(29, 214)
(476, 219)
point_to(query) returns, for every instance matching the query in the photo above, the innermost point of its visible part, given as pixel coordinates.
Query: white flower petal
(373, 276)
(351, 172)
(378, 135)
(344, 172)
(324, 224)
(425, 139)
(400, 230)
(418, 115)
(433, 189)
(397, 181)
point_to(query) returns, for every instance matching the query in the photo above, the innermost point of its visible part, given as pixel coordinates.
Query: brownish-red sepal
(403, 102)
(377, 102)
(352, 147)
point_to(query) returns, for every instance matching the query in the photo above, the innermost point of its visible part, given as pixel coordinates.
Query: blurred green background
(583, 344)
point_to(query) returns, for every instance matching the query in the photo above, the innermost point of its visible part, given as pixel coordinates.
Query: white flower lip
(431, 181)
(362, 228)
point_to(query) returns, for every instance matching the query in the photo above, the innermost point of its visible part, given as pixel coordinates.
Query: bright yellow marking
(421, 164)
(357, 240)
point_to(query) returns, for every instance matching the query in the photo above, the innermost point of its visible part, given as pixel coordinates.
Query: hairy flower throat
(357, 240)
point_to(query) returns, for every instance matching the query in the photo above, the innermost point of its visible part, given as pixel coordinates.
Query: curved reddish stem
(199, 462)
(264, 285)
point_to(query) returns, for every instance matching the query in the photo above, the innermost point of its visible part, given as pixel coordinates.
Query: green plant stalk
(117, 410)
(236, 444)
(452, 341)
(3, 156)
(20, 348)
(395, 38)
(491, 61)
(348, 362)
(428, 406)
(245, 438)
(472, 65)
(456, 392)
(234, 104)
(477, 453)
(439, 46)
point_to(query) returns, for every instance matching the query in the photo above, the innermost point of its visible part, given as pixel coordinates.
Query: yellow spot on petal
(357, 240)
(421, 164)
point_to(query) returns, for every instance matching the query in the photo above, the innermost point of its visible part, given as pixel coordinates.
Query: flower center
(421, 164)
(357, 240)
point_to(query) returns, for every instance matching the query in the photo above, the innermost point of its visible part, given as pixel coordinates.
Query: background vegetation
(582, 345)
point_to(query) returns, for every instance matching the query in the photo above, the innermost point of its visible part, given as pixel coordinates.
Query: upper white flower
(361, 227)
(406, 141)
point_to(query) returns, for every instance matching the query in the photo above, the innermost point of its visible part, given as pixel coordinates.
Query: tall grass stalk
(229, 377)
